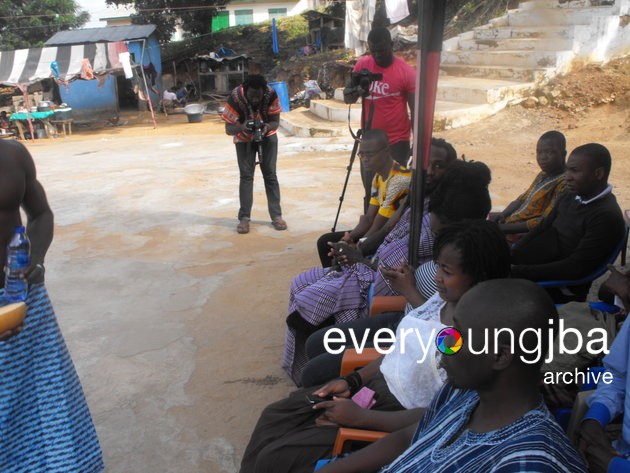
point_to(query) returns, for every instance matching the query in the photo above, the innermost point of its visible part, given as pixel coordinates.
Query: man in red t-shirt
(388, 97)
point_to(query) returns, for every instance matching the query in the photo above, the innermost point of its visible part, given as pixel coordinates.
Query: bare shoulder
(15, 153)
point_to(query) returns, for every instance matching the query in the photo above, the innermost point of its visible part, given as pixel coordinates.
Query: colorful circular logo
(449, 341)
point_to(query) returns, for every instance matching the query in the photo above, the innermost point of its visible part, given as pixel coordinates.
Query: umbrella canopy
(430, 32)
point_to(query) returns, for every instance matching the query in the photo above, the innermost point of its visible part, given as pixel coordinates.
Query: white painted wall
(261, 10)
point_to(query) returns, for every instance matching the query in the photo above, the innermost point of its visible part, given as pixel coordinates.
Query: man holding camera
(252, 116)
(387, 83)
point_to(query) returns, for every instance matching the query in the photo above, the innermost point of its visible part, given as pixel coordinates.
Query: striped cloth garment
(532, 443)
(319, 294)
(45, 424)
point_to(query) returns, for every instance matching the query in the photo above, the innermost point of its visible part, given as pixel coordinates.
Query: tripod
(355, 148)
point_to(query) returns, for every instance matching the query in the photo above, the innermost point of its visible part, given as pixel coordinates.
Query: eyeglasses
(369, 154)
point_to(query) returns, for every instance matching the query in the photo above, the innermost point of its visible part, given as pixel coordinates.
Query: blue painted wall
(91, 103)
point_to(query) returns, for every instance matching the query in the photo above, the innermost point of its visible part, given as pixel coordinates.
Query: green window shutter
(221, 21)
(277, 13)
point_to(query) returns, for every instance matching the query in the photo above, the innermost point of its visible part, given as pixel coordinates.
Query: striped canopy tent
(23, 67)
(27, 66)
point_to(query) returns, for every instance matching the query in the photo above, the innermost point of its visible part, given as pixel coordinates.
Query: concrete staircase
(484, 70)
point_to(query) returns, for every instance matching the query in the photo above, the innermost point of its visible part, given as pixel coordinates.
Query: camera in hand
(364, 78)
(256, 128)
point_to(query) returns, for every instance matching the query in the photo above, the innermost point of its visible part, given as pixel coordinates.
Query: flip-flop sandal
(279, 224)
(243, 227)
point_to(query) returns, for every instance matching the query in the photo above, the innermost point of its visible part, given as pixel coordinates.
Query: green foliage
(293, 28)
(29, 23)
(194, 16)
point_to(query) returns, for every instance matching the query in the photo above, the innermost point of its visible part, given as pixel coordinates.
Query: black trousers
(246, 156)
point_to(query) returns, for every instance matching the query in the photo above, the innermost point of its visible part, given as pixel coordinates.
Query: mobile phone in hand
(312, 399)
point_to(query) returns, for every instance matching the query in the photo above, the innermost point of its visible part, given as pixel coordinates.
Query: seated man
(442, 155)
(489, 417)
(581, 231)
(527, 211)
(389, 188)
(612, 399)
(169, 98)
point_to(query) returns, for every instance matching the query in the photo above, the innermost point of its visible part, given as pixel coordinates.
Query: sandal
(279, 224)
(243, 226)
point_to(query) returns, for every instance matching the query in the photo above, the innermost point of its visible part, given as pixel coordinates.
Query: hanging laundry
(359, 16)
(87, 73)
(397, 10)
(150, 72)
(54, 67)
(125, 60)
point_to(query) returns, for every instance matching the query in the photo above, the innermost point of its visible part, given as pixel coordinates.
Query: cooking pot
(43, 106)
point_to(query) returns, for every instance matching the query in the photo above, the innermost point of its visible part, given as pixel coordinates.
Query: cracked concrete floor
(175, 322)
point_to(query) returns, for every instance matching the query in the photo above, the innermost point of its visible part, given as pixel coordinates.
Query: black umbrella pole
(431, 31)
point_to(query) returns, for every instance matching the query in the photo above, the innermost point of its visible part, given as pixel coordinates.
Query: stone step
(508, 58)
(556, 16)
(302, 122)
(533, 4)
(523, 74)
(516, 44)
(613, 5)
(457, 114)
(336, 111)
(471, 90)
(507, 32)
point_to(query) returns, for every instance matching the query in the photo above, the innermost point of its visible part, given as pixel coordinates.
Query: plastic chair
(595, 274)
(379, 304)
(563, 414)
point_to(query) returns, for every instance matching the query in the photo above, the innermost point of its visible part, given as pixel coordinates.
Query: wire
(192, 8)
(53, 25)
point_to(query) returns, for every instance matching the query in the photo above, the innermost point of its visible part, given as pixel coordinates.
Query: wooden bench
(63, 124)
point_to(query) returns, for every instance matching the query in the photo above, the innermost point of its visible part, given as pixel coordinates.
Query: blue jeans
(246, 155)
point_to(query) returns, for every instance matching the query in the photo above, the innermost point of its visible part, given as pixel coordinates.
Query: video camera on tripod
(256, 128)
(362, 80)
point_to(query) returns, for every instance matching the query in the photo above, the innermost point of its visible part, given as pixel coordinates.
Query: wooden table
(19, 117)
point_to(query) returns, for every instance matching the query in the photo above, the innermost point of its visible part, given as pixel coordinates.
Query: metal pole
(146, 87)
(430, 33)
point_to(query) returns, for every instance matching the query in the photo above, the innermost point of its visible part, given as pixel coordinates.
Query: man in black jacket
(581, 231)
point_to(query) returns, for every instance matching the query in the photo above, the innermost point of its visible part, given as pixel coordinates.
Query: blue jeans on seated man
(246, 155)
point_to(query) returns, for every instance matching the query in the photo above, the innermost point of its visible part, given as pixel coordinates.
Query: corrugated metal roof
(99, 35)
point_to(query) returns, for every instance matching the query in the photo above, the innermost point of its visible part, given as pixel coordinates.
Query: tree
(195, 17)
(29, 23)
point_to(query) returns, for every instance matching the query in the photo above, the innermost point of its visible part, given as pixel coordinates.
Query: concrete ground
(175, 322)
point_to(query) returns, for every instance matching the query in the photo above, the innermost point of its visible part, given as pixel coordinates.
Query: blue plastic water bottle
(18, 260)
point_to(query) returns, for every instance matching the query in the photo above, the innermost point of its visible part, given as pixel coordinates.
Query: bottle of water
(18, 260)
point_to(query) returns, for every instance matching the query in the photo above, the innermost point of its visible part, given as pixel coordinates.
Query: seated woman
(323, 296)
(462, 194)
(291, 435)
(528, 210)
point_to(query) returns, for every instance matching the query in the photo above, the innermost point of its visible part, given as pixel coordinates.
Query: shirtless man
(56, 436)
(19, 187)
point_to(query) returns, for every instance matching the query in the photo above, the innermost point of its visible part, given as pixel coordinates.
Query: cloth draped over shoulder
(238, 110)
(538, 200)
(388, 193)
